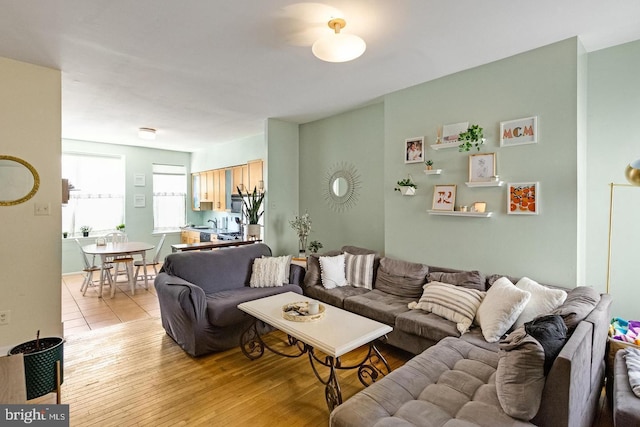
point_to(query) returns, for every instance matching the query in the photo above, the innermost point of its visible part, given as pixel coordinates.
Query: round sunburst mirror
(340, 186)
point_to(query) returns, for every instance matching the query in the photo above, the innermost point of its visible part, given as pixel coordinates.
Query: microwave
(236, 203)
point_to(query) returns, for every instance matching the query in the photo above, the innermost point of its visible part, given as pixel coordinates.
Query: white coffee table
(335, 334)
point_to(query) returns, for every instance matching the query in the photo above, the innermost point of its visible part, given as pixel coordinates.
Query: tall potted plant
(251, 204)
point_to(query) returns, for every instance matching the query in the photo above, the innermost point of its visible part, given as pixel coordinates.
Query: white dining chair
(90, 268)
(125, 260)
(153, 263)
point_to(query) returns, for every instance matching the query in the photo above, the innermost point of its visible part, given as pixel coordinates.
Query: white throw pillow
(332, 271)
(500, 308)
(543, 300)
(452, 302)
(269, 272)
(359, 270)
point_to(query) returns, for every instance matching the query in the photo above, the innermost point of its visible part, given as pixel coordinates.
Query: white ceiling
(209, 71)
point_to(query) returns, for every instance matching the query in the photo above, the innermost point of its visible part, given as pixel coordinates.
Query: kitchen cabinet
(207, 186)
(255, 174)
(195, 191)
(219, 189)
(237, 177)
(187, 236)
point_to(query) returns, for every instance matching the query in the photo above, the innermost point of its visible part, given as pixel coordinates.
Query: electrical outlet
(43, 209)
(5, 317)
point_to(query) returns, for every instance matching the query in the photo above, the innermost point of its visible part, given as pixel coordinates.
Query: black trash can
(40, 366)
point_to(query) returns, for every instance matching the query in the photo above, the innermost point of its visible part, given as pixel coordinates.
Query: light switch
(43, 209)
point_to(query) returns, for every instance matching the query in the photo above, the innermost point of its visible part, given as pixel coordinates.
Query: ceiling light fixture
(338, 47)
(147, 133)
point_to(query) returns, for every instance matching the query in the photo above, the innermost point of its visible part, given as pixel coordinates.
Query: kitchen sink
(201, 227)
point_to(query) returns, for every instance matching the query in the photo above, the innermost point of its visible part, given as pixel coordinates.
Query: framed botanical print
(482, 167)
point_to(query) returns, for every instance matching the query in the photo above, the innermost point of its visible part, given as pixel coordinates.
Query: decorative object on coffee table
(300, 312)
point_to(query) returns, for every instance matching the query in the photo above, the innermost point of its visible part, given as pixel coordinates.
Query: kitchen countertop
(211, 245)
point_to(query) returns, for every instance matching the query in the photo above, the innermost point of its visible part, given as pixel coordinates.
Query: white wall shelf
(433, 172)
(445, 145)
(458, 213)
(485, 184)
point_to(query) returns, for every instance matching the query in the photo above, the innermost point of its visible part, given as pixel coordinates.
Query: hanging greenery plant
(472, 137)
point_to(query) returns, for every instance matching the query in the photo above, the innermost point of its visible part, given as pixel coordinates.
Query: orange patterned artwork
(523, 198)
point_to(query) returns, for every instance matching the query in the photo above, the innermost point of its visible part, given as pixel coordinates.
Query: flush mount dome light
(338, 47)
(147, 133)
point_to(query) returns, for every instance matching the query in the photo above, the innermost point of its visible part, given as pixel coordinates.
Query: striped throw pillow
(452, 302)
(359, 270)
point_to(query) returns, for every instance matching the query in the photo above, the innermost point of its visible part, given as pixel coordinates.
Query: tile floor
(84, 313)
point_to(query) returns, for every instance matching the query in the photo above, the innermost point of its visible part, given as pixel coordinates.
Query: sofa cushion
(520, 375)
(332, 271)
(312, 276)
(580, 301)
(378, 305)
(500, 308)
(222, 306)
(270, 271)
(335, 296)
(401, 278)
(454, 303)
(467, 279)
(543, 300)
(551, 332)
(451, 384)
(427, 325)
(359, 270)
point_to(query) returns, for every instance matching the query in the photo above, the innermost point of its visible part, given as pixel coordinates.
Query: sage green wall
(138, 221)
(542, 82)
(281, 180)
(355, 137)
(613, 113)
(30, 117)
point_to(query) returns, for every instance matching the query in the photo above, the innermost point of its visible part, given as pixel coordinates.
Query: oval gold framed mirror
(19, 181)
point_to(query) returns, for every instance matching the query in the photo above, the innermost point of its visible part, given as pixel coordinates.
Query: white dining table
(119, 249)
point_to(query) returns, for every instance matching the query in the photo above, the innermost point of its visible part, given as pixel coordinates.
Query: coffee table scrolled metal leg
(332, 392)
(369, 372)
(250, 342)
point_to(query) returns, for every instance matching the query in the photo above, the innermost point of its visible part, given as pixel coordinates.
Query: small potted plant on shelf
(120, 227)
(429, 164)
(85, 229)
(472, 137)
(315, 246)
(406, 186)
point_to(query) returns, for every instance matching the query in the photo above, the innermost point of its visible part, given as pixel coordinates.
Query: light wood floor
(134, 374)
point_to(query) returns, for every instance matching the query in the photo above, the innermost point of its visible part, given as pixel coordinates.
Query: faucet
(215, 223)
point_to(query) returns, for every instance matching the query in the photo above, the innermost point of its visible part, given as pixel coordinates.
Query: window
(97, 197)
(169, 197)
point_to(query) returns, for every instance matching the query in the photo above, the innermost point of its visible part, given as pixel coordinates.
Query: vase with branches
(302, 225)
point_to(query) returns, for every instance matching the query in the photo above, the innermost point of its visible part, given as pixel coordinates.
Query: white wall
(30, 116)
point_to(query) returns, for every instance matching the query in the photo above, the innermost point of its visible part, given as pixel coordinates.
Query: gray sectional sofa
(452, 379)
(199, 293)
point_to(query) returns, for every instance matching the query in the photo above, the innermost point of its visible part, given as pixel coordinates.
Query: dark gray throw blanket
(551, 333)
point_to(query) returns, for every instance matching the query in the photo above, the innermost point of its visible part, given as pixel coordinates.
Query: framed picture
(519, 132)
(523, 198)
(138, 180)
(482, 167)
(451, 132)
(139, 201)
(414, 150)
(444, 197)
